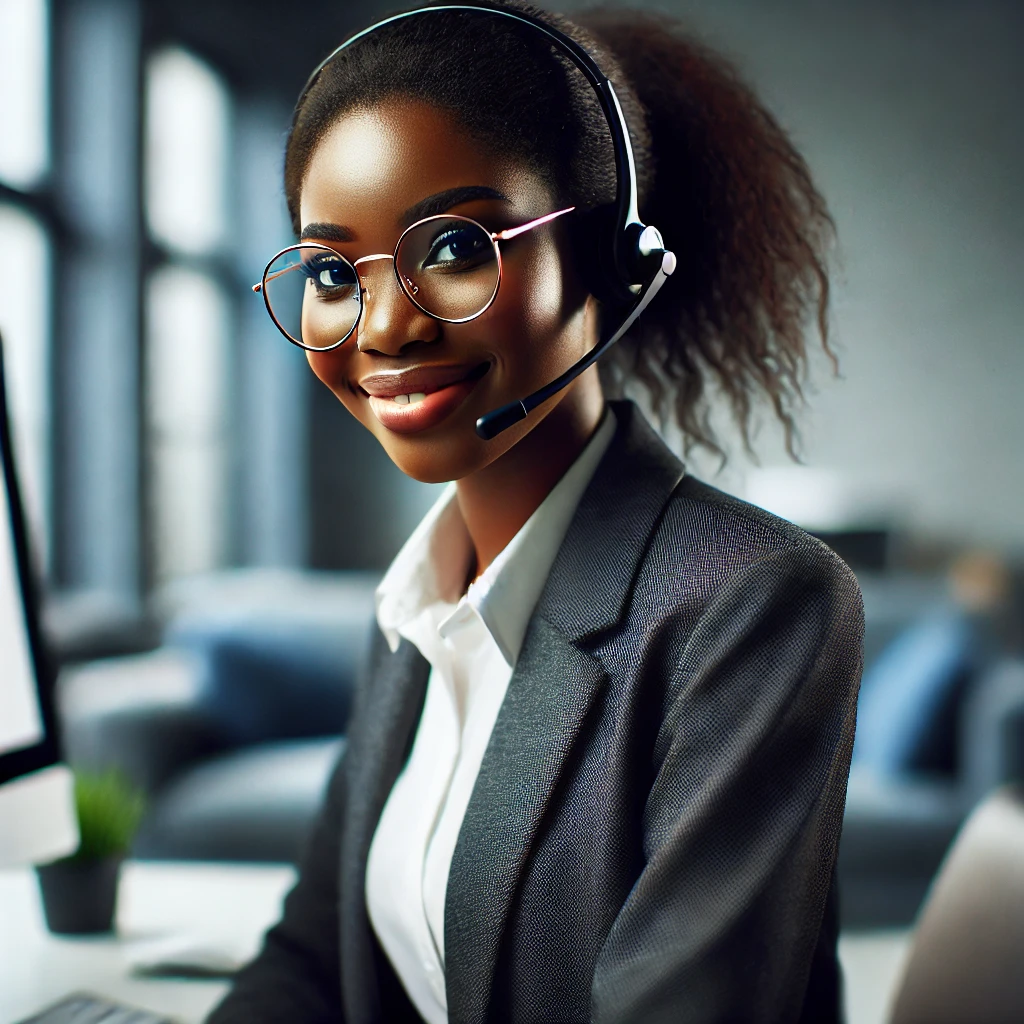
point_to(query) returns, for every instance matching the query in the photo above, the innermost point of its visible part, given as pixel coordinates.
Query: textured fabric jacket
(653, 833)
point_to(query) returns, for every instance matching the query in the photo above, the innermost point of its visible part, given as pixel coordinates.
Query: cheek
(547, 283)
(542, 290)
(535, 305)
(331, 369)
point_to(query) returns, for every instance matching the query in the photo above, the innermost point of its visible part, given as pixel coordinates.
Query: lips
(408, 401)
(418, 379)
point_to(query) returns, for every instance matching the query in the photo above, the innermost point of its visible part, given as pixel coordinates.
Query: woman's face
(376, 171)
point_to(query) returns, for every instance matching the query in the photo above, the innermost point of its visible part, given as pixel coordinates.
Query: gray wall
(910, 114)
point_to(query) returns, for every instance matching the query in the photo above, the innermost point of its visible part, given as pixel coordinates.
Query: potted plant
(80, 892)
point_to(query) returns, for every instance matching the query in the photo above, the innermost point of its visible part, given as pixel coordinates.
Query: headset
(633, 262)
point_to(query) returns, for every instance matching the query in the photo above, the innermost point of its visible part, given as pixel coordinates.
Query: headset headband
(627, 219)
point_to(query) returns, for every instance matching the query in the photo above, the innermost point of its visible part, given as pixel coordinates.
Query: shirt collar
(430, 568)
(432, 564)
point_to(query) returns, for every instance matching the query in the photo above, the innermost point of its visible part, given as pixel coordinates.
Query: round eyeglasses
(448, 266)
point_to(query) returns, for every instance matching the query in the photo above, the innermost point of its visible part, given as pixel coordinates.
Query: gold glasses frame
(409, 289)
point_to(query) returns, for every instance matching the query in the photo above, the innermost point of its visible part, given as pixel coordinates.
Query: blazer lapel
(378, 744)
(552, 689)
(593, 574)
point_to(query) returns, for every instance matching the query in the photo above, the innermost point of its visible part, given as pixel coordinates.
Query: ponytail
(736, 203)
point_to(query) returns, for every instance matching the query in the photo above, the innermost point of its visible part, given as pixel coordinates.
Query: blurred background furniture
(964, 959)
(233, 724)
(940, 724)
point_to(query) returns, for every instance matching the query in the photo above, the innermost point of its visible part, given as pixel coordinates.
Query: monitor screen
(37, 821)
(21, 717)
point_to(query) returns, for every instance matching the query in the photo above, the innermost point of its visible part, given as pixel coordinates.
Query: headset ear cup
(593, 235)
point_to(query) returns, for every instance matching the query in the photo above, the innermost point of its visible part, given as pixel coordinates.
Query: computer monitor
(37, 815)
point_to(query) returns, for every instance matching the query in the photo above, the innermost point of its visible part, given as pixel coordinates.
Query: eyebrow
(326, 232)
(440, 202)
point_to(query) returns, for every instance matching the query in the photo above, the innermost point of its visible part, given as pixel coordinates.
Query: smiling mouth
(413, 387)
(420, 399)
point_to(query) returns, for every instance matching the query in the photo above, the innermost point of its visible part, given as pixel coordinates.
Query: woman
(597, 768)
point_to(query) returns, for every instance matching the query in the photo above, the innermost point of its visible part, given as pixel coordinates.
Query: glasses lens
(449, 265)
(313, 295)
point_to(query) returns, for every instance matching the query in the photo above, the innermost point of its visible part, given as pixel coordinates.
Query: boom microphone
(493, 423)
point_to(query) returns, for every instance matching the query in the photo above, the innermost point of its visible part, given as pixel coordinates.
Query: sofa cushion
(271, 680)
(906, 712)
(280, 661)
(138, 713)
(894, 837)
(250, 805)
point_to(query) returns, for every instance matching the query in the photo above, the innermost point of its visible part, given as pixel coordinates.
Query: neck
(497, 500)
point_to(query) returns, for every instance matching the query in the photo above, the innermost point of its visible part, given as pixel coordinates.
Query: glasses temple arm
(258, 287)
(501, 236)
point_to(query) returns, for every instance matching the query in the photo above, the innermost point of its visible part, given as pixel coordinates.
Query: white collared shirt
(472, 642)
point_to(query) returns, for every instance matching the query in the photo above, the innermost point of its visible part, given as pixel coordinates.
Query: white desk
(229, 905)
(872, 965)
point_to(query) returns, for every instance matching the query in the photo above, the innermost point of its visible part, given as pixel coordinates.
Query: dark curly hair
(716, 173)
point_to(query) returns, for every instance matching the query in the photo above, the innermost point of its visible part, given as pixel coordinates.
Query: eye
(458, 248)
(331, 277)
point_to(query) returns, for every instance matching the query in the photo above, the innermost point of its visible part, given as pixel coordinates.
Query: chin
(437, 460)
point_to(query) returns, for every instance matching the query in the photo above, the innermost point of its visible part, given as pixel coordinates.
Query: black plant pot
(80, 896)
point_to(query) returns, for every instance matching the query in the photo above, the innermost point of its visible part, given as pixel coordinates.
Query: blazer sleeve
(742, 823)
(296, 975)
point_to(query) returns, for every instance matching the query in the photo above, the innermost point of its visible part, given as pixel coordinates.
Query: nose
(388, 322)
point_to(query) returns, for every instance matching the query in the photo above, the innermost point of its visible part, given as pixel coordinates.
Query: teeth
(402, 399)
(412, 399)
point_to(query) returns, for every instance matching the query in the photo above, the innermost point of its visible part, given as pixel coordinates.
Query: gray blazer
(652, 836)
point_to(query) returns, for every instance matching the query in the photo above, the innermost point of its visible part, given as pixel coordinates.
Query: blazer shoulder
(725, 583)
(707, 537)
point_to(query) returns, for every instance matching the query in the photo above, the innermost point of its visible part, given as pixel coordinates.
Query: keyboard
(88, 1009)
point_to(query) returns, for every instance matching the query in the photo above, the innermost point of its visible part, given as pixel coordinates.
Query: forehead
(379, 161)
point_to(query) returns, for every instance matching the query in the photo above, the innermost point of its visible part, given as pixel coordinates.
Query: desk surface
(227, 905)
(230, 906)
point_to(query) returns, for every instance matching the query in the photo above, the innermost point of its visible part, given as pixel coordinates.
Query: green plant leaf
(110, 809)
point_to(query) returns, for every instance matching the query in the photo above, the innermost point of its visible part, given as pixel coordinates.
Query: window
(188, 315)
(24, 103)
(187, 122)
(187, 331)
